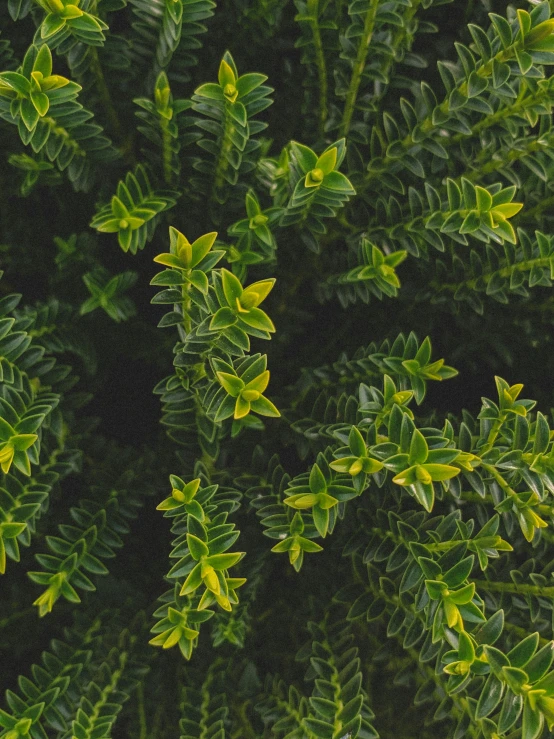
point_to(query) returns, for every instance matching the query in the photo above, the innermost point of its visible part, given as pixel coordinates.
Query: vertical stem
(208, 462)
(167, 153)
(508, 491)
(245, 730)
(223, 162)
(313, 9)
(396, 42)
(186, 308)
(359, 66)
(104, 92)
(141, 712)
(495, 430)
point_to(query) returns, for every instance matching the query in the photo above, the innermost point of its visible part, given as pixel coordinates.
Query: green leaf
(406, 477)
(118, 208)
(248, 82)
(222, 319)
(533, 722)
(491, 695)
(418, 448)
(237, 111)
(86, 22)
(304, 156)
(199, 280)
(231, 383)
(226, 409)
(471, 223)
(321, 729)
(338, 182)
(435, 588)
(231, 287)
(466, 650)
(224, 561)
(193, 581)
(41, 103)
(51, 25)
(169, 260)
(321, 520)
(490, 632)
(327, 161)
(484, 199)
(497, 660)
(431, 569)
(11, 530)
(318, 483)
(522, 652)
(226, 76)
(458, 574)
(515, 678)
(310, 546)
(197, 547)
(463, 595)
(210, 90)
(301, 501)
(264, 407)
(242, 407)
(256, 318)
(259, 383)
(43, 61)
(356, 442)
(201, 247)
(539, 665)
(425, 494)
(283, 546)
(29, 114)
(546, 683)
(17, 82)
(440, 472)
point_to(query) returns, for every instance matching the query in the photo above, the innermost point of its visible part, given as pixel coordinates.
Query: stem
(522, 633)
(15, 617)
(441, 546)
(533, 213)
(419, 222)
(471, 497)
(208, 463)
(493, 433)
(141, 712)
(58, 130)
(543, 508)
(395, 601)
(512, 587)
(223, 160)
(246, 730)
(104, 92)
(313, 10)
(167, 152)
(396, 43)
(487, 277)
(108, 690)
(427, 125)
(492, 165)
(186, 303)
(509, 492)
(156, 723)
(359, 66)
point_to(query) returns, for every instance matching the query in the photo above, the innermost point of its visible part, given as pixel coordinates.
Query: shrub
(350, 552)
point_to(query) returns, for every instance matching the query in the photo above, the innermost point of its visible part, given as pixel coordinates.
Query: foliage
(359, 535)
